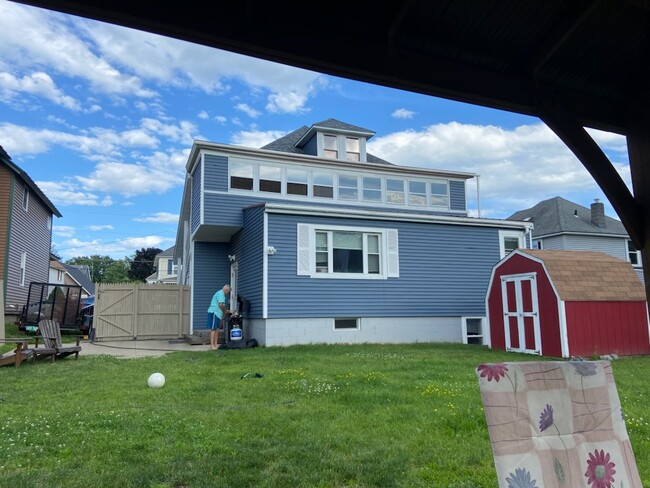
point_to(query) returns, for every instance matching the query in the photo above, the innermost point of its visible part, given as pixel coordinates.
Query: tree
(103, 269)
(142, 263)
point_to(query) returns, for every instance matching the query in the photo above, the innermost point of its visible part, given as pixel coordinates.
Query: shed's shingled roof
(558, 215)
(590, 276)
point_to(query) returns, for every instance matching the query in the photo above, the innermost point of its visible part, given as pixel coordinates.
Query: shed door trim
(519, 313)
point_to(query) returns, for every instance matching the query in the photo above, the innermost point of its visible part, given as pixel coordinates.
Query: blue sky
(103, 118)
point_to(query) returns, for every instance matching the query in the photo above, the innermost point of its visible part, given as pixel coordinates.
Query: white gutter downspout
(265, 268)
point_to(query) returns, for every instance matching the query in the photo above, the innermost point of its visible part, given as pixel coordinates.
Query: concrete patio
(139, 349)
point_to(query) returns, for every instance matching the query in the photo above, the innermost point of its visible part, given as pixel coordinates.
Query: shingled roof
(6, 159)
(558, 215)
(289, 142)
(590, 276)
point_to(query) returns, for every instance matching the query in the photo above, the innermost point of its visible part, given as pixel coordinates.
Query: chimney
(598, 213)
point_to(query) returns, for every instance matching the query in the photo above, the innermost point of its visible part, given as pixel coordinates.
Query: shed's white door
(521, 313)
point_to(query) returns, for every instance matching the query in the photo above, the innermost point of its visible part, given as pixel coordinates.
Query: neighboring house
(166, 270)
(25, 233)
(562, 225)
(330, 244)
(68, 274)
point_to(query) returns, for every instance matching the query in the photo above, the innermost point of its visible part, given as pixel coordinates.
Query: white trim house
(327, 243)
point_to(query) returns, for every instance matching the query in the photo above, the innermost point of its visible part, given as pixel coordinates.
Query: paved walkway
(138, 349)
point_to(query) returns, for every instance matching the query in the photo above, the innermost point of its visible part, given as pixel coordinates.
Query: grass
(320, 416)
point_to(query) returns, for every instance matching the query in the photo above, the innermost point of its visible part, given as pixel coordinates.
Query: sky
(103, 117)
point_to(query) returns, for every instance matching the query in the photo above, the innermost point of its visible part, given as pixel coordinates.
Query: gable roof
(78, 274)
(6, 159)
(291, 142)
(558, 215)
(590, 276)
(167, 253)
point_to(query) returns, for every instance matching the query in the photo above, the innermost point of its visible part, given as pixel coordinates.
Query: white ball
(156, 380)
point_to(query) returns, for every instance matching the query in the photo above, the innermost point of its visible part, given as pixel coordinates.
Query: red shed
(566, 303)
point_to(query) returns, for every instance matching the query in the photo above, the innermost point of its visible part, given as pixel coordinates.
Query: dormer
(334, 139)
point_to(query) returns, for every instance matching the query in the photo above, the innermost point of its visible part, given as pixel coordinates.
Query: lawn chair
(51, 334)
(18, 355)
(557, 424)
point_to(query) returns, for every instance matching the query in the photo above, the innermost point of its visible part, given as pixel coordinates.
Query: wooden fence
(141, 311)
(2, 310)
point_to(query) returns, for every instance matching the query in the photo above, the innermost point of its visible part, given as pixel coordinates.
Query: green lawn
(321, 416)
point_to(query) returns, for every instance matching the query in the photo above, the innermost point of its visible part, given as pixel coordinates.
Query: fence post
(135, 311)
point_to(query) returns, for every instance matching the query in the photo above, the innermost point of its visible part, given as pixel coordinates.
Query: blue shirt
(217, 298)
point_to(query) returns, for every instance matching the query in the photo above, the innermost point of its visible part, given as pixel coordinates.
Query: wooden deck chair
(51, 334)
(20, 354)
(557, 424)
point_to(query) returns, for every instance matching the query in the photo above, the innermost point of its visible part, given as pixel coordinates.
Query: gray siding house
(562, 225)
(25, 233)
(326, 243)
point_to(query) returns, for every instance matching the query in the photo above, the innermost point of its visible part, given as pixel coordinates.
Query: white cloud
(96, 228)
(248, 110)
(123, 247)
(518, 167)
(66, 193)
(288, 102)
(160, 218)
(203, 115)
(221, 119)
(63, 230)
(402, 113)
(52, 39)
(39, 84)
(255, 138)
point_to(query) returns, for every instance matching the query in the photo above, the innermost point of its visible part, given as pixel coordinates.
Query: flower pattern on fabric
(600, 470)
(521, 478)
(546, 418)
(584, 368)
(493, 371)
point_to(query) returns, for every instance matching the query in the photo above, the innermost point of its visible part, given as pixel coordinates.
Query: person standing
(217, 310)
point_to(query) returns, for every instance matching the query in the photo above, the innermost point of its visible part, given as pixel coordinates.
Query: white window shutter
(304, 249)
(392, 253)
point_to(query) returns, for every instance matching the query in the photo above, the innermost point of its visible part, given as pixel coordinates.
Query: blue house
(326, 243)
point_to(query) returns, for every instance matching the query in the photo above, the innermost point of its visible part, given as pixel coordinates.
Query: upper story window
(241, 176)
(324, 185)
(271, 179)
(49, 222)
(371, 189)
(23, 267)
(418, 193)
(366, 188)
(395, 191)
(352, 149)
(348, 187)
(330, 146)
(439, 194)
(297, 181)
(25, 197)
(633, 255)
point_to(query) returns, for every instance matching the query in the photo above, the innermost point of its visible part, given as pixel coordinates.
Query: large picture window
(371, 189)
(439, 194)
(348, 188)
(324, 185)
(395, 191)
(297, 182)
(241, 176)
(271, 179)
(342, 252)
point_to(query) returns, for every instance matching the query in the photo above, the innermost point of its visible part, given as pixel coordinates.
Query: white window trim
(25, 198)
(23, 267)
(509, 233)
(306, 252)
(336, 174)
(482, 336)
(638, 254)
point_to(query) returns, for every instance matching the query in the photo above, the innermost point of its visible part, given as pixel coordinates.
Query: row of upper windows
(333, 145)
(341, 186)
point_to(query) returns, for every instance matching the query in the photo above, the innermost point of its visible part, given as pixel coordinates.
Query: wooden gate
(141, 311)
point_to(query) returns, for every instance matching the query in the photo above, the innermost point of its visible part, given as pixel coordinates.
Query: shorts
(213, 322)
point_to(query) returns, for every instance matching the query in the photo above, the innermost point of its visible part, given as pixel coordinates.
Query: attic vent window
(352, 149)
(330, 146)
(575, 213)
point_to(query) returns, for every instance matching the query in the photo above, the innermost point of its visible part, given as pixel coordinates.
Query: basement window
(346, 324)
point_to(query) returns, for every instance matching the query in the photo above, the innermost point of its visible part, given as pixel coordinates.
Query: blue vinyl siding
(211, 272)
(216, 172)
(457, 195)
(226, 209)
(444, 271)
(196, 198)
(248, 247)
(311, 146)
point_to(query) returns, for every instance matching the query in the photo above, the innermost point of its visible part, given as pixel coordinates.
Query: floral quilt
(557, 424)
